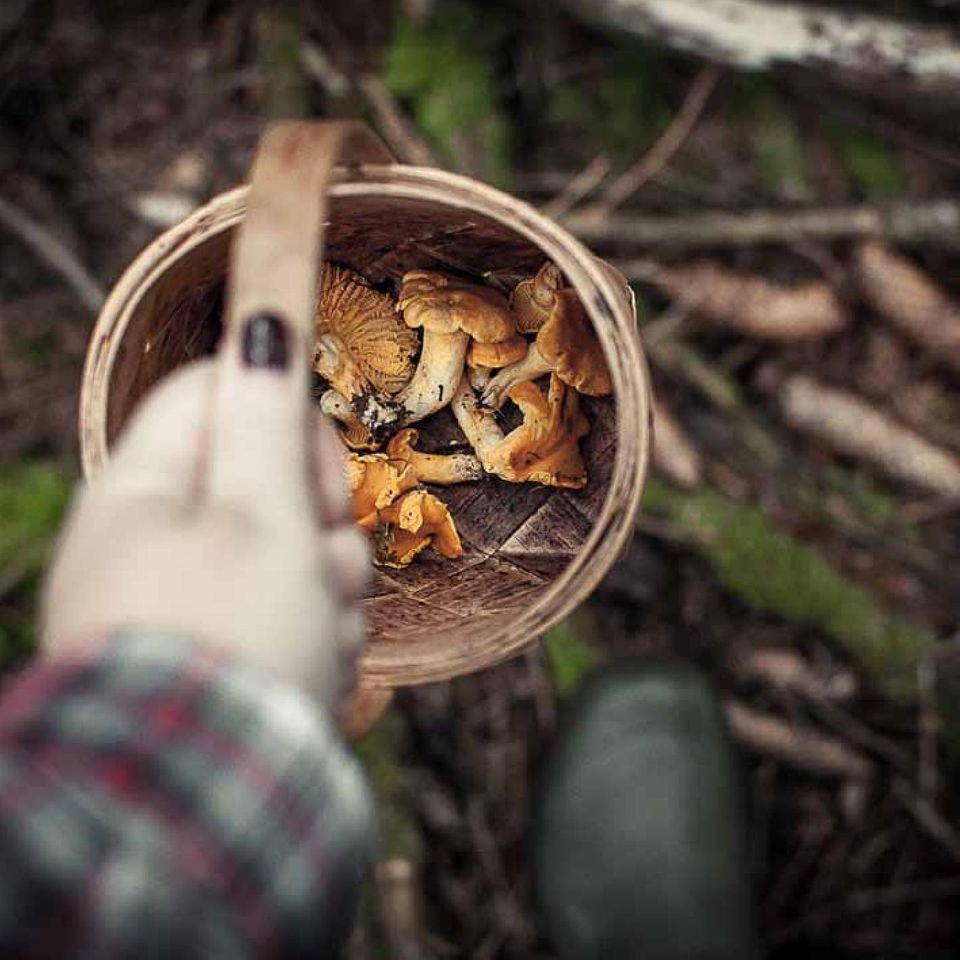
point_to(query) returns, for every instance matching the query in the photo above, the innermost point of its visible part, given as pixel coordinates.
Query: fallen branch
(786, 669)
(932, 220)
(910, 300)
(580, 185)
(674, 454)
(754, 35)
(750, 304)
(54, 254)
(853, 427)
(797, 745)
(394, 125)
(663, 151)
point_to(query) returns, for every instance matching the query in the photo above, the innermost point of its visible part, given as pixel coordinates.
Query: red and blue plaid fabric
(159, 800)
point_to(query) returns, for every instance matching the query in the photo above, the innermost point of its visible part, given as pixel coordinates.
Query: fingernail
(266, 342)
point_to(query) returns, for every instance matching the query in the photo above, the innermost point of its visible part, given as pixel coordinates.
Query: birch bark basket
(531, 554)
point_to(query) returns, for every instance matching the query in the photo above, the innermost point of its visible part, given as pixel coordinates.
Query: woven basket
(531, 554)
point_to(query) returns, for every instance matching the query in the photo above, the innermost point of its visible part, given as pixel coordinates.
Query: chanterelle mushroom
(362, 345)
(544, 448)
(532, 299)
(566, 345)
(375, 482)
(478, 423)
(484, 358)
(432, 467)
(354, 433)
(451, 311)
(409, 525)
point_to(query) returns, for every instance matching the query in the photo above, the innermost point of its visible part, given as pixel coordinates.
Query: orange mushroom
(354, 433)
(544, 448)
(450, 311)
(375, 482)
(408, 526)
(484, 358)
(442, 469)
(567, 346)
(532, 299)
(361, 343)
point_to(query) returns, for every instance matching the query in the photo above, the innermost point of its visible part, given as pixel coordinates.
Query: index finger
(258, 449)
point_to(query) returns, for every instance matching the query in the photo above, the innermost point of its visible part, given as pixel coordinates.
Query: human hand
(222, 515)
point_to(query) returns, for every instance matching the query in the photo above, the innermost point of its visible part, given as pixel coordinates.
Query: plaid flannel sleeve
(159, 800)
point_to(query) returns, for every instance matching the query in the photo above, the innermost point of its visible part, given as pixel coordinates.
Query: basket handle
(280, 242)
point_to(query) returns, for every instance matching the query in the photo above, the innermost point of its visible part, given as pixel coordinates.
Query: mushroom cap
(567, 342)
(496, 354)
(544, 448)
(409, 525)
(357, 436)
(444, 304)
(375, 481)
(532, 299)
(402, 445)
(366, 322)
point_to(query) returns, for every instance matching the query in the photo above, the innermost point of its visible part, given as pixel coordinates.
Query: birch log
(754, 34)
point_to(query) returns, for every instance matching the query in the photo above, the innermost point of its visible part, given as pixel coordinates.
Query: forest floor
(801, 533)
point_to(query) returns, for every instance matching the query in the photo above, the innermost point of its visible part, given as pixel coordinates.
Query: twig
(54, 254)
(797, 745)
(667, 145)
(674, 453)
(753, 34)
(927, 817)
(579, 186)
(852, 426)
(933, 220)
(391, 121)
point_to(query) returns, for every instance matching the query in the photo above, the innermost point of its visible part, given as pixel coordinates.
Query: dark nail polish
(266, 342)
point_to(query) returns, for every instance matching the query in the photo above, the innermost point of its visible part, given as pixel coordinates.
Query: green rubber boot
(640, 841)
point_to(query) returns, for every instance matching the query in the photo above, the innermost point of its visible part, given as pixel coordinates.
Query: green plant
(445, 68)
(776, 573)
(33, 497)
(572, 652)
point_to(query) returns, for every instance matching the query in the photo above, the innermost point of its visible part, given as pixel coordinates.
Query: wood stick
(795, 744)
(54, 254)
(753, 34)
(579, 186)
(667, 145)
(933, 220)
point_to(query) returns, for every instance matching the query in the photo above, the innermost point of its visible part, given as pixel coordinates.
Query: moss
(445, 68)
(279, 34)
(777, 574)
(379, 753)
(572, 652)
(868, 161)
(628, 107)
(33, 498)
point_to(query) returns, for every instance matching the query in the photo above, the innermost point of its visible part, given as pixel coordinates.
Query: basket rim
(386, 664)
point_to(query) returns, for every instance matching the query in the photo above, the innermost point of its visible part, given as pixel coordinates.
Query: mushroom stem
(436, 377)
(355, 434)
(334, 363)
(444, 469)
(479, 377)
(478, 424)
(533, 365)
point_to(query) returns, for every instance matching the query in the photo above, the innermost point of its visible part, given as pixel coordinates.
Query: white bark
(754, 34)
